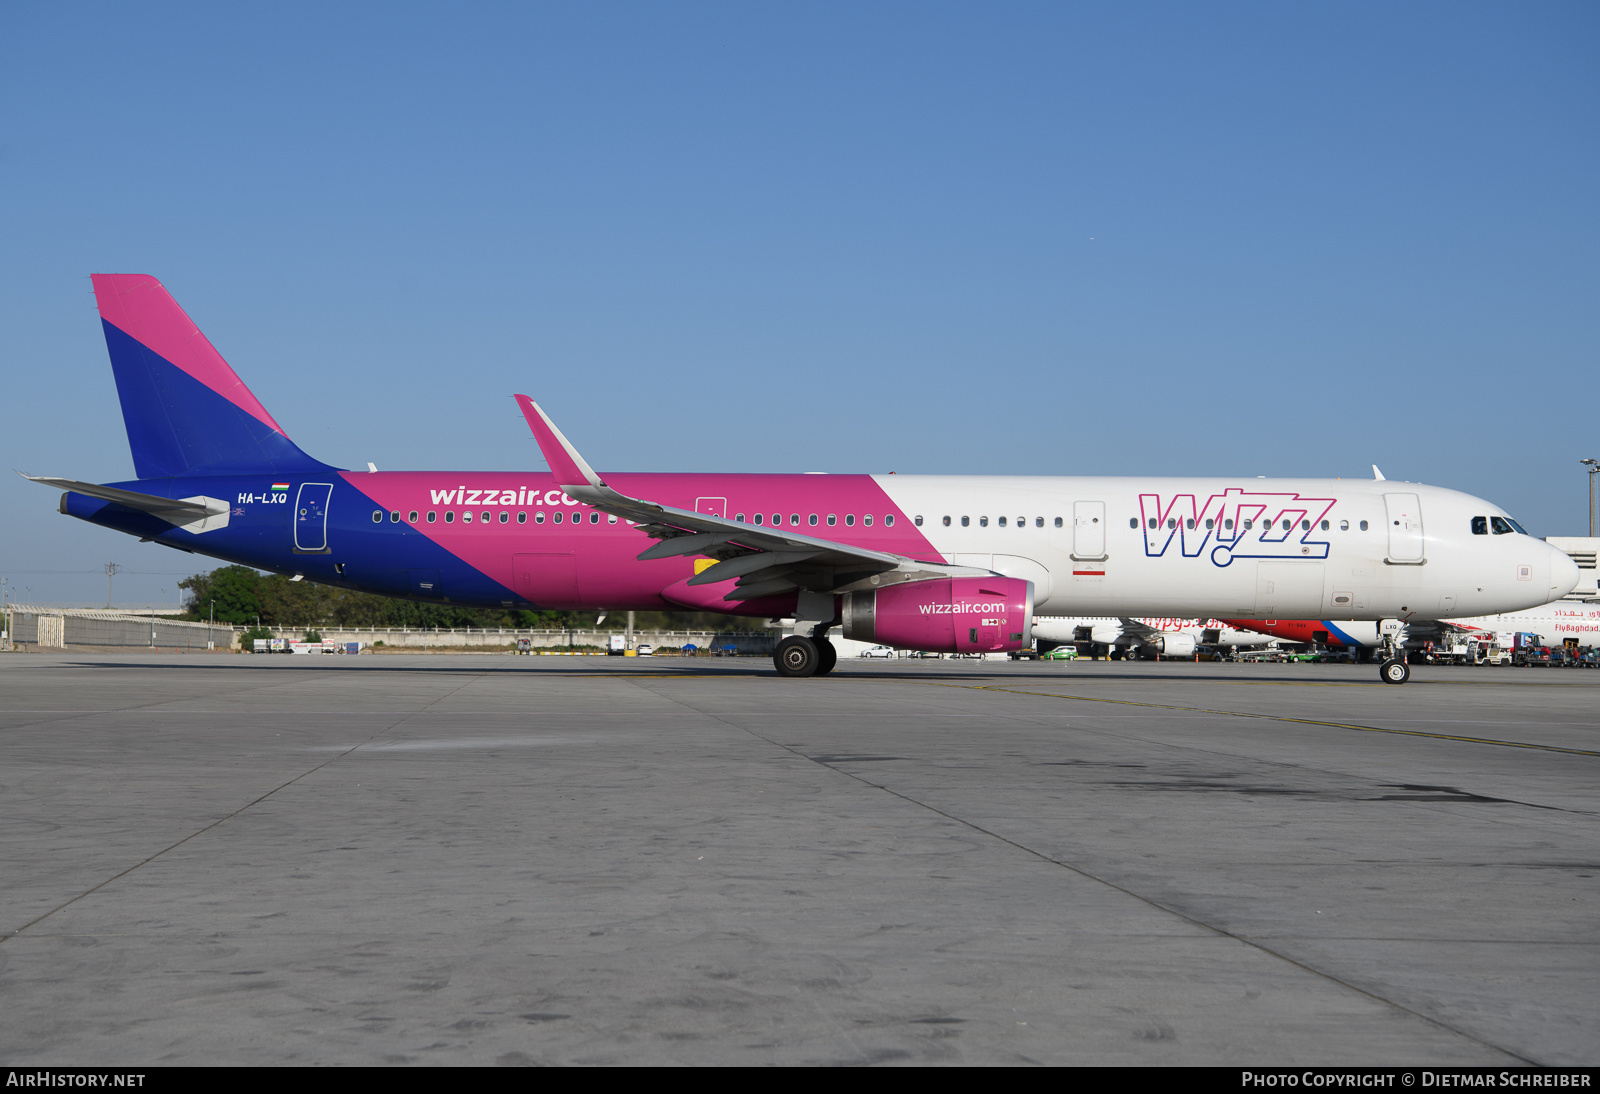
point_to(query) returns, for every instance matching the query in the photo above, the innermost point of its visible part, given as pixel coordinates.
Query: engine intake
(945, 615)
(1175, 645)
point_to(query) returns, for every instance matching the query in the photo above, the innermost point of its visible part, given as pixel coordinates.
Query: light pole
(111, 571)
(1594, 469)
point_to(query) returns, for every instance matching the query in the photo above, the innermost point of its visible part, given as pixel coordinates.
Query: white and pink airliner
(936, 563)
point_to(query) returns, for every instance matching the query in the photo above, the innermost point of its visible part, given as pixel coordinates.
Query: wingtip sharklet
(569, 468)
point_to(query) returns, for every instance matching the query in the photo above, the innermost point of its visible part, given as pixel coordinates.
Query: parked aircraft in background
(936, 563)
(1554, 623)
(1575, 616)
(1153, 637)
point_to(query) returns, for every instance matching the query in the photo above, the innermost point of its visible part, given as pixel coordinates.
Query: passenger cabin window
(411, 518)
(812, 520)
(522, 518)
(849, 520)
(758, 518)
(947, 522)
(1188, 525)
(1363, 526)
(1172, 523)
(1324, 526)
(1344, 526)
(1038, 522)
(538, 518)
(1228, 524)
(983, 522)
(556, 516)
(377, 516)
(594, 518)
(504, 517)
(965, 521)
(1133, 522)
(1210, 523)
(1152, 523)
(611, 518)
(739, 518)
(449, 516)
(917, 520)
(431, 515)
(888, 521)
(794, 520)
(832, 520)
(777, 519)
(867, 520)
(394, 517)
(1001, 522)
(1058, 522)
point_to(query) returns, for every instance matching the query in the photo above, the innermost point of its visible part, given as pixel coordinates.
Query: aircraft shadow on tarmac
(755, 668)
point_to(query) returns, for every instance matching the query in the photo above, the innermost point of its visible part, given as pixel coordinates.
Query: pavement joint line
(4, 938)
(1276, 718)
(1149, 902)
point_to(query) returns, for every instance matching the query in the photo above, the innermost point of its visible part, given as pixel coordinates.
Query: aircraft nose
(1563, 574)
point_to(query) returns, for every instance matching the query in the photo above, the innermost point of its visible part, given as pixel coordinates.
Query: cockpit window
(1480, 526)
(1501, 526)
(1517, 526)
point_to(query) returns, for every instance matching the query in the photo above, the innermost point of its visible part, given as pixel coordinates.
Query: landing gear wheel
(1394, 671)
(797, 656)
(827, 656)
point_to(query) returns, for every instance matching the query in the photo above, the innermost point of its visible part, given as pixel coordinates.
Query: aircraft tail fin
(186, 411)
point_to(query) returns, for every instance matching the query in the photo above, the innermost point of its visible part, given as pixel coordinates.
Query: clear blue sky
(1260, 238)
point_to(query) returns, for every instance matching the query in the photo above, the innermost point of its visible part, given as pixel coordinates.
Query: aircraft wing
(1135, 629)
(766, 561)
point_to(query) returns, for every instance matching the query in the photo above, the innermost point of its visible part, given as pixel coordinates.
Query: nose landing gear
(1394, 669)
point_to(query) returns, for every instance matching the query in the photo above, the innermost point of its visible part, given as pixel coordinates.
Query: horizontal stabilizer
(199, 514)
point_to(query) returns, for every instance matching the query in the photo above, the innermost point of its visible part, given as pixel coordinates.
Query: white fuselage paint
(1211, 554)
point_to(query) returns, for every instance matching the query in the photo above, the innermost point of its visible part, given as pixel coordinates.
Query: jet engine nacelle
(945, 615)
(1175, 645)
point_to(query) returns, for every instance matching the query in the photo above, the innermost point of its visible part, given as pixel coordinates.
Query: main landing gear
(797, 656)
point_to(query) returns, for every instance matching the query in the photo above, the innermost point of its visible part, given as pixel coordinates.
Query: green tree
(235, 590)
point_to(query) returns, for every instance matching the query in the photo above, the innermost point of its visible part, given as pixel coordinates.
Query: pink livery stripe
(141, 308)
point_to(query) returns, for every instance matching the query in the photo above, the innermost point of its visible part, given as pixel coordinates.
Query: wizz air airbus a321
(937, 563)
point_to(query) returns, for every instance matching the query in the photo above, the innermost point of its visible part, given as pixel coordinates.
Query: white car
(644, 650)
(878, 651)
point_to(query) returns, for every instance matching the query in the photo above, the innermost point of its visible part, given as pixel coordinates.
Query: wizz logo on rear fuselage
(1236, 523)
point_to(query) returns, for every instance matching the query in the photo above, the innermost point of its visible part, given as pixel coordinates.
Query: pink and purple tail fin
(186, 411)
